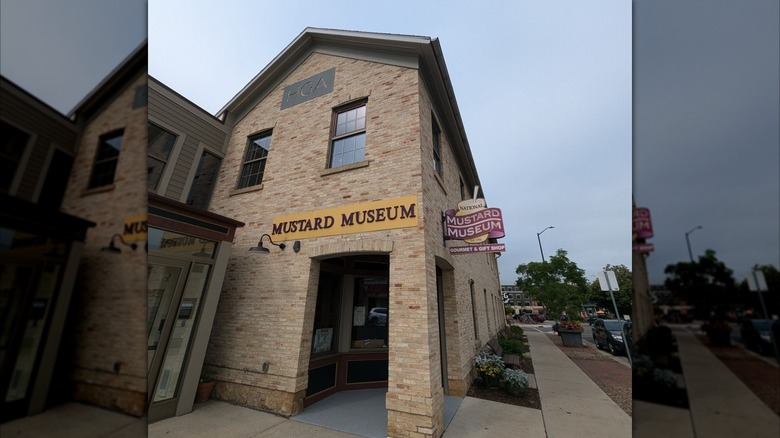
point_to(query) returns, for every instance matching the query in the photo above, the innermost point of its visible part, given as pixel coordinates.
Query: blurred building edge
(72, 247)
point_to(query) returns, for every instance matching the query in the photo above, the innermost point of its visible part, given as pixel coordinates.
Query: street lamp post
(688, 241)
(540, 240)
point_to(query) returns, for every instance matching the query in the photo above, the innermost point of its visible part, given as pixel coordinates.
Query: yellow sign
(386, 214)
(135, 228)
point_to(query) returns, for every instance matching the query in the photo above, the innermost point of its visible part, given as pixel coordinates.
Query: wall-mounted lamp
(260, 248)
(112, 248)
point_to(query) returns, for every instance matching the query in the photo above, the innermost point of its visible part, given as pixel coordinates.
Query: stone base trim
(128, 402)
(264, 399)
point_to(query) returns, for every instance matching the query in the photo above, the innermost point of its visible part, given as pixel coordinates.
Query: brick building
(336, 164)
(72, 311)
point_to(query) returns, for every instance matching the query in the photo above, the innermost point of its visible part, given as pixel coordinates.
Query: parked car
(756, 335)
(608, 334)
(378, 316)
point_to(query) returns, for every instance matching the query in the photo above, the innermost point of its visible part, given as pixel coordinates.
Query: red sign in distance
(643, 226)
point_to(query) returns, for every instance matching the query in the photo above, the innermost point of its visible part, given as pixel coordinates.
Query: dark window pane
(160, 142)
(105, 160)
(154, 170)
(203, 182)
(13, 143)
(254, 161)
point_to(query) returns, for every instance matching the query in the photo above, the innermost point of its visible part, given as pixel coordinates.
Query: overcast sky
(544, 89)
(706, 130)
(60, 50)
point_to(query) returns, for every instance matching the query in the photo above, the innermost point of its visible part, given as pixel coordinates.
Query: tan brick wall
(266, 308)
(109, 302)
(442, 192)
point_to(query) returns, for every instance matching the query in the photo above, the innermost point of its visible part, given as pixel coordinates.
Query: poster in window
(322, 339)
(359, 316)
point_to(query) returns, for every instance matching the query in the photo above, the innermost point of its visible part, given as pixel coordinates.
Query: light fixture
(112, 248)
(540, 240)
(260, 248)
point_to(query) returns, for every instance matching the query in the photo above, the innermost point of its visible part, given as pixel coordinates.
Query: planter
(490, 381)
(571, 338)
(203, 392)
(516, 391)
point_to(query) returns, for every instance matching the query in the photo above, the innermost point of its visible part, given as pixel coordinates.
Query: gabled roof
(401, 48)
(134, 63)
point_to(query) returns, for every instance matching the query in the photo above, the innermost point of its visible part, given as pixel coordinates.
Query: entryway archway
(350, 329)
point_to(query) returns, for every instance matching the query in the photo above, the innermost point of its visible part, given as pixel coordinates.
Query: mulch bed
(762, 378)
(528, 400)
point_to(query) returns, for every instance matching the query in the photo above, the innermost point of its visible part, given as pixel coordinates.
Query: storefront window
(370, 313)
(168, 242)
(326, 321)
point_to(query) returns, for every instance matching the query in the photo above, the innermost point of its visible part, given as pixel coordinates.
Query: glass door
(173, 314)
(164, 285)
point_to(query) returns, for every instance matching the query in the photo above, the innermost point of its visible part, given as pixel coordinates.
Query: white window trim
(194, 168)
(23, 160)
(165, 178)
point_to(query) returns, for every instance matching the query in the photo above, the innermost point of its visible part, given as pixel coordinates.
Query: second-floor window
(348, 144)
(436, 133)
(160, 146)
(11, 149)
(203, 181)
(106, 158)
(253, 167)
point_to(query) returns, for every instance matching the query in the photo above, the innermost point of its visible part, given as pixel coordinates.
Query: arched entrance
(349, 333)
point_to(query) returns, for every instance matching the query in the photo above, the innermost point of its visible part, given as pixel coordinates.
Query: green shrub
(512, 346)
(515, 331)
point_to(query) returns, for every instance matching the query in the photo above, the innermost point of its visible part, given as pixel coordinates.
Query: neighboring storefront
(188, 253)
(73, 227)
(341, 158)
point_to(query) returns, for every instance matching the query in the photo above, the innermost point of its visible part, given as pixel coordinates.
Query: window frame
(196, 179)
(359, 103)
(103, 139)
(268, 133)
(21, 162)
(436, 142)
(166, 160)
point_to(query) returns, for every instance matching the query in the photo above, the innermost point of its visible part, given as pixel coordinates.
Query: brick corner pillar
(415, 397)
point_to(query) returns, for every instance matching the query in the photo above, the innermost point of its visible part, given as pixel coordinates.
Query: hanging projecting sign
(309, 88)
(474, 223)
(642, 227)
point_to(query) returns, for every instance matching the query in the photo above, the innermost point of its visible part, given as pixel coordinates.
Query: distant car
(378, 316)
(756, 335)
(608, 334)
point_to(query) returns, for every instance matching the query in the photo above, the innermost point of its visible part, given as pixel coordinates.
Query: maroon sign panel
(485, 223)
(643, 227)
(471, 249)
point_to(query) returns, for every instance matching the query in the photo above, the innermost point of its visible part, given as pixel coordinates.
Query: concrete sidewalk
(571, 403)
(720, 405)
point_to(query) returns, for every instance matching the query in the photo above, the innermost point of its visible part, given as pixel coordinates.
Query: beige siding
(174, 113)
(47, 127)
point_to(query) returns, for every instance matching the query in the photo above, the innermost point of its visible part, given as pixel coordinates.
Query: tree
(558, 284)
(707, 284)
(624, 296)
